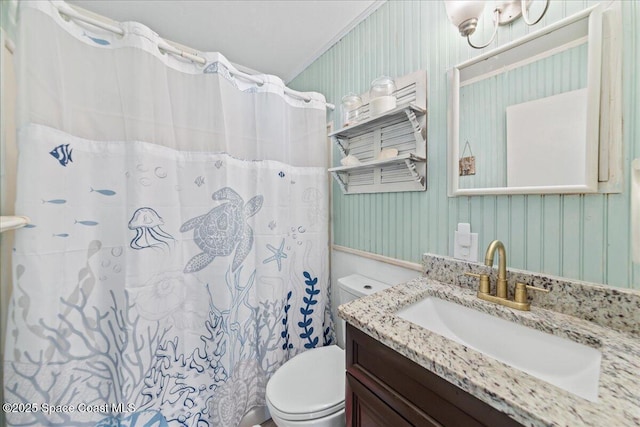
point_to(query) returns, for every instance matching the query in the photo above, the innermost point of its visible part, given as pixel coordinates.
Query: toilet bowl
(309, 389)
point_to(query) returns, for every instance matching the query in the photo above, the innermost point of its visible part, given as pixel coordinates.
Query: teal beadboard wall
(577, 236)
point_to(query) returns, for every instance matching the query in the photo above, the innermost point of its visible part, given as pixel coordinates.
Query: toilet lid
(311, 385)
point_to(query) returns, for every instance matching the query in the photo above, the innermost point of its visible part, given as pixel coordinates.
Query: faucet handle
(535, 288)
(484, 282)
(521, 291)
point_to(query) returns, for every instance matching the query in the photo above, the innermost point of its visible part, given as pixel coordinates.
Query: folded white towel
(350, 160)
(388, 153)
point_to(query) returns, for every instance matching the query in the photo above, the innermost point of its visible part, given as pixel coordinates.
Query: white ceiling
(274, 37)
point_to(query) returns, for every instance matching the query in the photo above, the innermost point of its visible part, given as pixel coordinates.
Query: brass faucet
(520, 301)
(501, 287)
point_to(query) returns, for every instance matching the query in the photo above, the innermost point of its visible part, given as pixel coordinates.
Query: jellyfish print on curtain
(177, 254)
(148, 227)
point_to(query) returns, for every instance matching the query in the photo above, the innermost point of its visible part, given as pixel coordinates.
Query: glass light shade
(460, 11)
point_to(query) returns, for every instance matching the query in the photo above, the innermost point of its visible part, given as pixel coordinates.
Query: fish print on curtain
(154, 300)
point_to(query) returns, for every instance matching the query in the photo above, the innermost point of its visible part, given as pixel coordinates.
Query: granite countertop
(528, 400)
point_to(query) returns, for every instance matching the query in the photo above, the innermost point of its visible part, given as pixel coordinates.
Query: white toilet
(309, 390)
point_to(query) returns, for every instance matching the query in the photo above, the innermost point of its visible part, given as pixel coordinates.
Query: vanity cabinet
(384, 388)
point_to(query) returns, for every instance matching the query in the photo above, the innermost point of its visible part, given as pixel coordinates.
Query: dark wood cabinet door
(367, 410)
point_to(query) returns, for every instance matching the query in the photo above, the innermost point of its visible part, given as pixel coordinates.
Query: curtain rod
(165, 45)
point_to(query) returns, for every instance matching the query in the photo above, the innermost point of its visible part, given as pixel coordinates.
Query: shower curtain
(178, 248)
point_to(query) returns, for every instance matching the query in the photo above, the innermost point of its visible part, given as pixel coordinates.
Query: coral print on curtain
(178, 251)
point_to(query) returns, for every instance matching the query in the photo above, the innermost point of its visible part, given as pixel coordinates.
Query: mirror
(525, 118)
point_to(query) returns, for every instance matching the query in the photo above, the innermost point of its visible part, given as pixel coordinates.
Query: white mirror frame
(569, 32)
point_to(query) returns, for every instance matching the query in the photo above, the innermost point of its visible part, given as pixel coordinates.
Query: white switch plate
(467, 253)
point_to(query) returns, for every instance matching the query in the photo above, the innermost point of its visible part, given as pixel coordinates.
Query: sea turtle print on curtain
(223, 229)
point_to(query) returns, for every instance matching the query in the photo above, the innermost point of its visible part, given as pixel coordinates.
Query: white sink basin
(571, 366)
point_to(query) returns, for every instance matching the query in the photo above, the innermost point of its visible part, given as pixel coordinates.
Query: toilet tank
(350, 288)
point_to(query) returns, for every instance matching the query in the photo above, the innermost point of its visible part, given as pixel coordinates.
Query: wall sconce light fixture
(464, 15)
